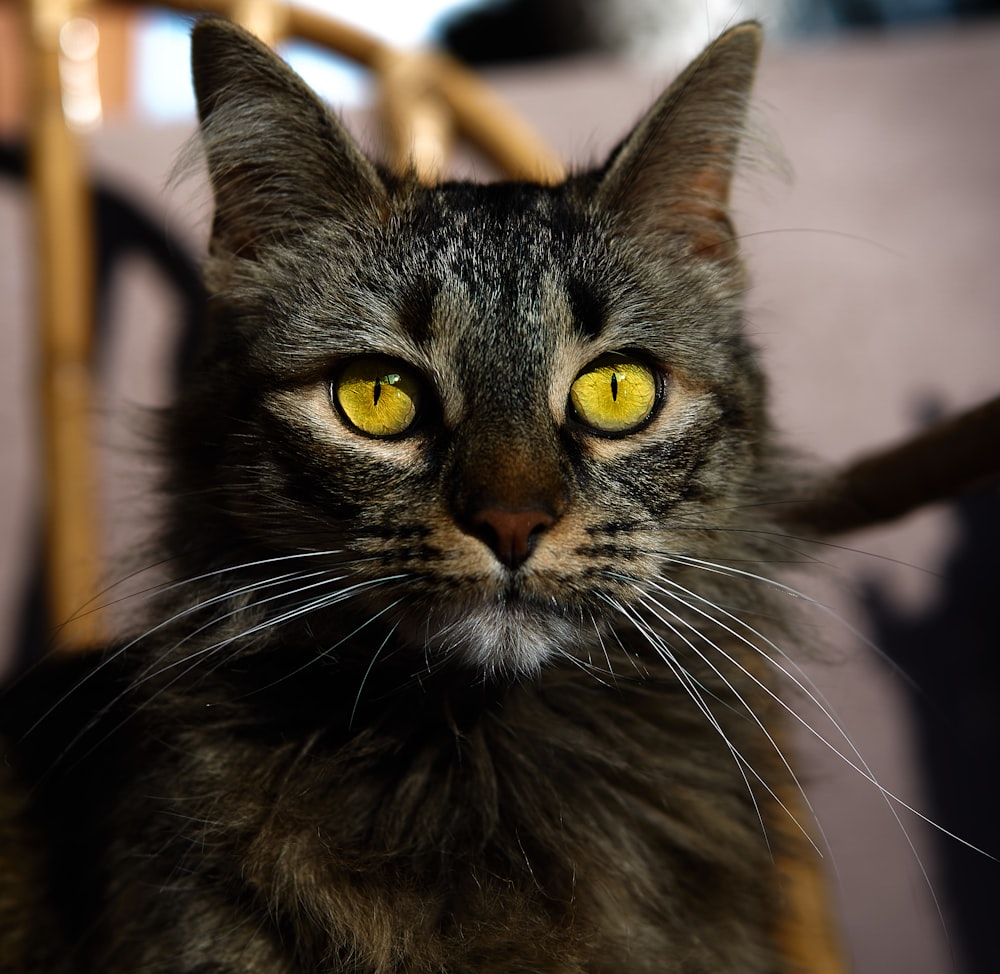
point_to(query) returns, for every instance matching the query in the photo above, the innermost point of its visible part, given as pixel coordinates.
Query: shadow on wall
(951, 653)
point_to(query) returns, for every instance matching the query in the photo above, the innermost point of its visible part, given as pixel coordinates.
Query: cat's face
(500, 409)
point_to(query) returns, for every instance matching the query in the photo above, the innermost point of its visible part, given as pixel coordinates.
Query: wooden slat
(65, 273)
(950, 457)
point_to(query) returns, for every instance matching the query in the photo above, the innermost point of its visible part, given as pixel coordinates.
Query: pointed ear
(277, 158)
(672, 174)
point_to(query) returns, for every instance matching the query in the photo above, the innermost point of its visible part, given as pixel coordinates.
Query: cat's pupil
(391, 379)
(614, 386)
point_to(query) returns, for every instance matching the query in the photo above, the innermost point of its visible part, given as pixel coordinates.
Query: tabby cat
(462, 665)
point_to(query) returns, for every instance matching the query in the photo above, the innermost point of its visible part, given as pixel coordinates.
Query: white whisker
(192, 661)
(655, 605)
(371, 665)
(861, 768)
(694, 691)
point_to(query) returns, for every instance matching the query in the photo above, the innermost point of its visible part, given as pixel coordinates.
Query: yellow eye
(614, 394)
(378, 396)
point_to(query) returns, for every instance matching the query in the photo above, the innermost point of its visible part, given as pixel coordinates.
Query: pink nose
(511, 534)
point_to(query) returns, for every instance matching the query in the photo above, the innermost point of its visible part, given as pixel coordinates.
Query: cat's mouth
(511, 633)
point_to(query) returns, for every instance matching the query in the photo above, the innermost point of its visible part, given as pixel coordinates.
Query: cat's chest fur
(547, 828)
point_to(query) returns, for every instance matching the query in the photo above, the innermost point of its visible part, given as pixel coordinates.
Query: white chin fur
(504, 639)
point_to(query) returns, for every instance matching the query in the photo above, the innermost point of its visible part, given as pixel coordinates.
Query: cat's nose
(510, 533)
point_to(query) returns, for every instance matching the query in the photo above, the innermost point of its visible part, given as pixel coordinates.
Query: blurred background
(875, 300)
(145, 53)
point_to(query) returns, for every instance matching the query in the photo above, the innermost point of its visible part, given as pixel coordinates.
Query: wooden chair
(427, 100)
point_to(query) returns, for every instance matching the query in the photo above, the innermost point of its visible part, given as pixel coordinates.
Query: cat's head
(500, 409)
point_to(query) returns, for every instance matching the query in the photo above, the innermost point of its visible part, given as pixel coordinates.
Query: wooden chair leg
(807, 933)
(64, 246)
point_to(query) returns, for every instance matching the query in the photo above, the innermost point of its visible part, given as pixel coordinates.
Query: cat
(462, 664)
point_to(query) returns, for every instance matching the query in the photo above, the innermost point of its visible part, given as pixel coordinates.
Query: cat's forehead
(513, 269)
(500, 236)
(506, 256)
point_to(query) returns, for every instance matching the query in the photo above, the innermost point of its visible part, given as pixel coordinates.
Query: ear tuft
(672, 174)
(278, 159)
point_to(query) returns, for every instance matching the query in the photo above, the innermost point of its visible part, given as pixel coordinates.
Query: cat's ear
(672, 173)
(277, 157)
